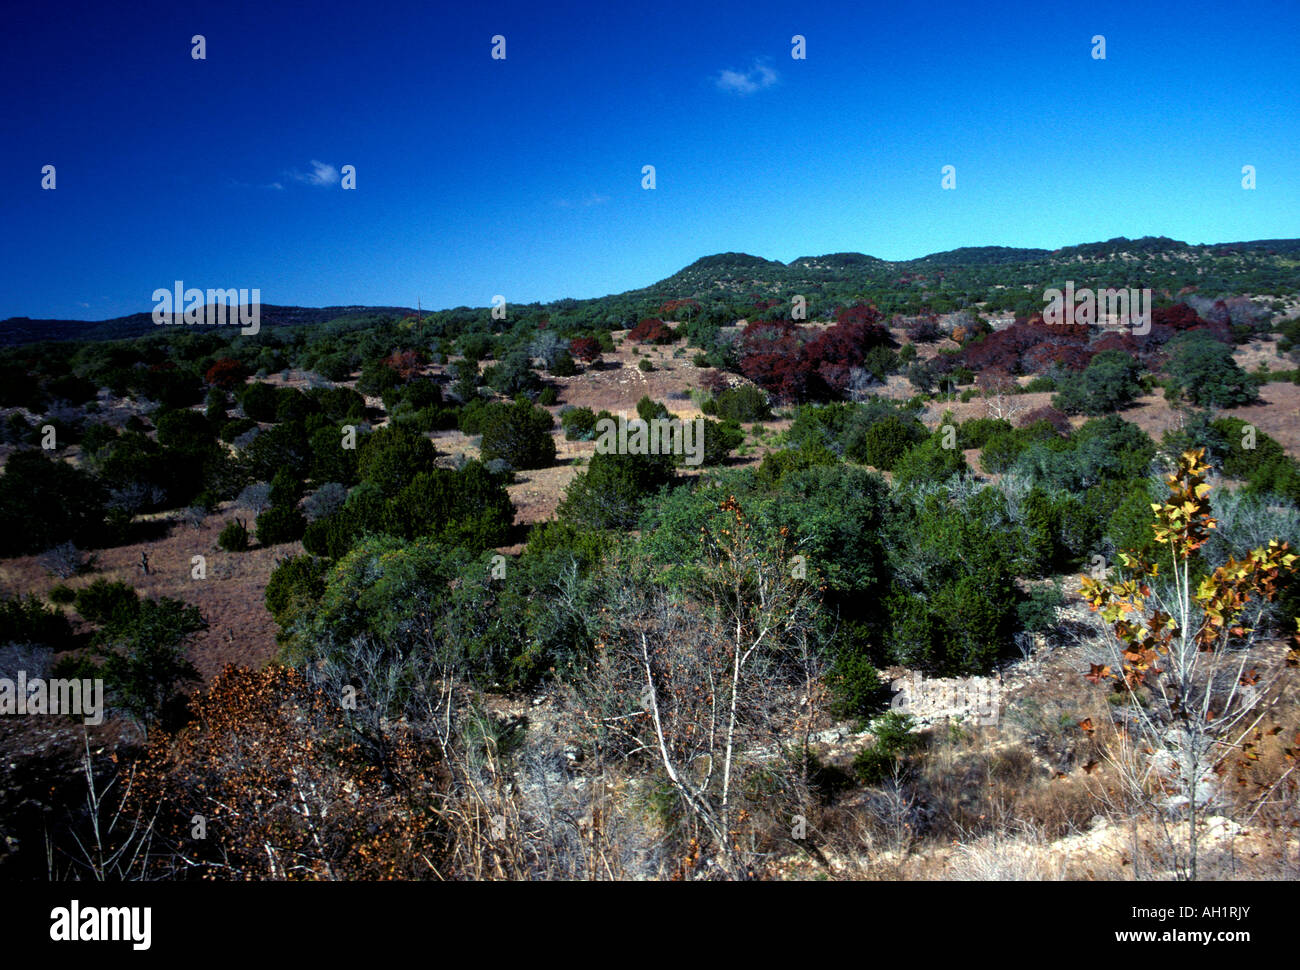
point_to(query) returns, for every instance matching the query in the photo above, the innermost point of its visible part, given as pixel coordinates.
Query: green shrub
(894, 740)
(564, 365)
(28, 620)
(742, 404)
(720, 440)
(285, 488)
(470, 420)
(610, 493)
(296, 583)
(1201, 369)
(103, 601)
(1109, 383)
(144, 665)
(234, 428)
(258, 401)
(1266, 468)
(644, 365)
(519, 434)
(392, 456)
(929, 462)
(62, 595)
(1038, 611)
(884, 443)
(233, 537)
(330, 461)
(855, 684)
(579, 423)
(513, 376)
(777, 465)
(976, 432)
(279, 524)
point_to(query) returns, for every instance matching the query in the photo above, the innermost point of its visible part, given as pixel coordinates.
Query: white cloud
(263, 185)
(757, 78)
(585, 203)
(320, 174)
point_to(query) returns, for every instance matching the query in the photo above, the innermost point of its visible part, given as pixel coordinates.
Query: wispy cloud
(758, 77)
(320, 174)
(278, 186)
(584, 203)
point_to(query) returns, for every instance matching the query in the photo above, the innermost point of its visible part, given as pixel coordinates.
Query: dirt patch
(231, 597)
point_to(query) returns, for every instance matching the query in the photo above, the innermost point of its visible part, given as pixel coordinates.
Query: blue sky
(523, 177)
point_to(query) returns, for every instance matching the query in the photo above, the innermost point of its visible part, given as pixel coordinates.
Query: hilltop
(995, 277)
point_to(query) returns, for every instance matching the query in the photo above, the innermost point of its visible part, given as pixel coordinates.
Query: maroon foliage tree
(226, 373)
(586, 349)
(652, 331)
(771, 355)
(1057, 419)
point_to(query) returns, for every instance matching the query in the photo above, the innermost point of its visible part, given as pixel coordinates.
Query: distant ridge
(739, 272)
(19, 330)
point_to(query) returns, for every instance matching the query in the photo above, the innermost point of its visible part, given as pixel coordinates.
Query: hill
(997, 278)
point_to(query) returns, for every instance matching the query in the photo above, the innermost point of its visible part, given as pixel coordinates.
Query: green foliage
(1202, 371)
(855, 684)
(392, 456)
(343, 405)
(884, 443)
(103, 601)
(648, 410)
(285, 446)
(29, 621)
(580, 423)
(929, 461)
(376, 378)
(720, 440)
(1103, 449)
(233, 537)
(1038, 611)
(778, 464)
(951, 608)
(186, 431)
(468, 506)
(588, 547)
(44, 502)
(1109, 383)
(610, 493)
(279, 524)
(295, 584)
(330, 461)
(513, 376)
(519, 434)
(285, 488)
(1266, 467)
(976, 432)
(258, 401)
(894, 740)
(232, 429)
(564, 365)
(145, 666)
(746, 403)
